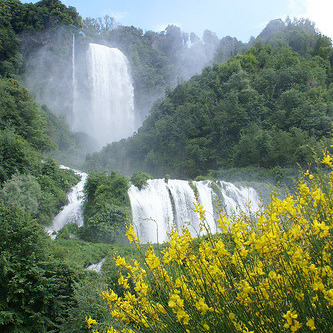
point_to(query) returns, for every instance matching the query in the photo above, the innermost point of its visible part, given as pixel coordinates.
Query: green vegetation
(17, 18)
(139, 179)
(106, 208)
(269, 274)
(36, 185)
(35, 288)
(262, 108)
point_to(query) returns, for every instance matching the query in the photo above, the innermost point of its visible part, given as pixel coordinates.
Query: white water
(151, 210)
(72, 212)
(159, 205)
(74, 86)
(238, 199)
(183, 198)
(96, 267)
(110, 113)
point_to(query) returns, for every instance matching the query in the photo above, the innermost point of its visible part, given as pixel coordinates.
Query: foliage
(87, 291)
(40, 188)
(16, 155)
(139, 179)
(22, 191)
(79, 254)
(20, 113)
(269, 274)
(55, 183)
(106, 208)
(35, 289)
(87, 302)
(262, 108)
(42, 15)
(71, 147)
(17, 18)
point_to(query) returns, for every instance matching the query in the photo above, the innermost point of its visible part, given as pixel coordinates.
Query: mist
(102, 81)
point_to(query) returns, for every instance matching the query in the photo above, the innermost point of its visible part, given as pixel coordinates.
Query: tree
(21, 114)
(16, 154)
(106, 208)
(35, 290)
(22, 191)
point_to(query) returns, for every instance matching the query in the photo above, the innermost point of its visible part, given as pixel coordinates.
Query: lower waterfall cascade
(159, 206)
(72, 212)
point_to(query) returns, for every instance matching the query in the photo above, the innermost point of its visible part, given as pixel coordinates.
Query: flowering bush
(273, 274)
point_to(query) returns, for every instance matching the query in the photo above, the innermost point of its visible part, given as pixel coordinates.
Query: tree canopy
(263, 108)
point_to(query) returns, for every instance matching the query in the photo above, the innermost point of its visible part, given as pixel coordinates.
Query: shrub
(106, 208)
(271, 274)
(139, 179)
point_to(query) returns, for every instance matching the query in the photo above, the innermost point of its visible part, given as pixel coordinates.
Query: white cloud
(318, 11)
(297, 7)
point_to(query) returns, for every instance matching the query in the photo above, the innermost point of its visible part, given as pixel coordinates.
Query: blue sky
(237, 18)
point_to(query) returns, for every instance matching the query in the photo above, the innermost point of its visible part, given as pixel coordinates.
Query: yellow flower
(131, 235)
(110, 297)
(248, 268)
(329, 296)
(201, 305)
(310, 324)
(111, 330)
(296, 326)
(90, 322)
(160, 308)
(232, 316)
(151, 260)
(182, 316)
(198, 208)
(121, 261)
(223, 223)
(289, 317)
(175, 301)
(206, 327)
(327, 159)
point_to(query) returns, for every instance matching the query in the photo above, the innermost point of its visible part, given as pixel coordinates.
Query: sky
(237, 18)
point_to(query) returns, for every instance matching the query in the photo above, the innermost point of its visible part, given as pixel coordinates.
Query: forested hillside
(36, 288)
(270, 106)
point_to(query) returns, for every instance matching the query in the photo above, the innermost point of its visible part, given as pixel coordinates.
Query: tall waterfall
(159, 206)
(74, 82)
(109, 115)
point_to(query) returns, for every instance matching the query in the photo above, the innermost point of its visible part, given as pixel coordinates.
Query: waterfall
(72, 212)
(160, 205)
(152, 211)
(96, 267)
(74, 83)
(108, 114)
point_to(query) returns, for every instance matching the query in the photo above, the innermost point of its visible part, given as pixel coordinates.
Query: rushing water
(96, 267)
(72, 212)
(160, 205)
(108, 113)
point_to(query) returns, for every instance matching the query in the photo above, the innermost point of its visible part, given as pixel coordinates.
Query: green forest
(261, 109)
(266, 107)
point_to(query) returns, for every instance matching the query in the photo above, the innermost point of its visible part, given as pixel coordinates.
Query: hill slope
(260, 108)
